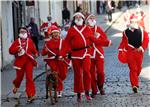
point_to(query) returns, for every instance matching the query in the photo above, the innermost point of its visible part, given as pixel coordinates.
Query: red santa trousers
(135, 65)
(61, 68)
(82, 76)
(97, 74)
(28, 70)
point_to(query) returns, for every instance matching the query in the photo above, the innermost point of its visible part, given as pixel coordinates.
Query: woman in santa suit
(134, 43)
(52, 48)
(24, 50)
(77, 42)
(97, 58)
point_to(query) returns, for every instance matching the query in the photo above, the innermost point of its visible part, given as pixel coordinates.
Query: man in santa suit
(134, 42)
(77, 42)
(97, 58)
(52, 48)
(24, 50)
(44, 27)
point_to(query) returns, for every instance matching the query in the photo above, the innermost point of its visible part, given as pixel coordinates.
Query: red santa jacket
(29, 48)
(52, 49)
(97, 50)
(78, 42)
(124, 45)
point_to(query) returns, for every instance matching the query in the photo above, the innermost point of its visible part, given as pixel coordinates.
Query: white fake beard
(79, 22)
(23, 36)
(134, 26)
(92, 23)
(49, 23)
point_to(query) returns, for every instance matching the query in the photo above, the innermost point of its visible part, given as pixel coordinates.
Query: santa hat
(88, 16)
(80, 14)
(122, 56)
(53, 29)
(133, 17)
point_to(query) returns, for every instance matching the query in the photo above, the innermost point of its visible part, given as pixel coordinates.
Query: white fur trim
(15, 67)
(50, 50)
(47, 39)
(109, 43)
(142, 34)
(90, 16)
(53, 57)
(131, 45)
(141, 49)
(120, 49)
(60, 44)
(55, 31)
(102, 56)
(80, 14)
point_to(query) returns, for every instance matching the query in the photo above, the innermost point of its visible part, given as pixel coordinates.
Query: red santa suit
(78, 43)
(52, 48)
(44, 27)
(24, 63)
(131, 42)
(97, 60)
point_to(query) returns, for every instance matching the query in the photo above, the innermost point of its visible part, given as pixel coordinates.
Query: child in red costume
(77, 42)
(134, 42)
(97, 59)
(24, 51)
(52, 48)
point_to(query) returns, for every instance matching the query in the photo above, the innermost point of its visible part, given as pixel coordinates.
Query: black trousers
(35, 40)
(109, 15)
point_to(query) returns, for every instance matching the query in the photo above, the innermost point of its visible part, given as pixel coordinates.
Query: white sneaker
(59, 94)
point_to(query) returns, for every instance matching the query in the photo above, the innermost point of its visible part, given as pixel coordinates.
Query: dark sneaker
(79, 97)
(14, 89)
(30, 99)
(135, 89)
(102, 91)
(93, 95)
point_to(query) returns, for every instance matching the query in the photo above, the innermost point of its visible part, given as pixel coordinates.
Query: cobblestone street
(117, 84)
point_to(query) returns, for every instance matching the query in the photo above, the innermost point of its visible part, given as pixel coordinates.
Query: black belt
(78, 49)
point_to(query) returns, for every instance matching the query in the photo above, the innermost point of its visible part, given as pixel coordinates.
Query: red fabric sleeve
(97, 41)
(14, 48)
(145, 40)
(44, 51)
(123, 42)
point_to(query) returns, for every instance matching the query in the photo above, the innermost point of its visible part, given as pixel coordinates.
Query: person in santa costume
(52, 48)
(97, 58)
(132, 47)
(24, 50)
(140, 17)
(77, 42)
(44, 27)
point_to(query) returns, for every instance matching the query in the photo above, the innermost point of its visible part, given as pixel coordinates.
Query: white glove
(97, 35)
(22, 52)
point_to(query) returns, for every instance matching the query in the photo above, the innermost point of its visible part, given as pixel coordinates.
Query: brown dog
(51, 84)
